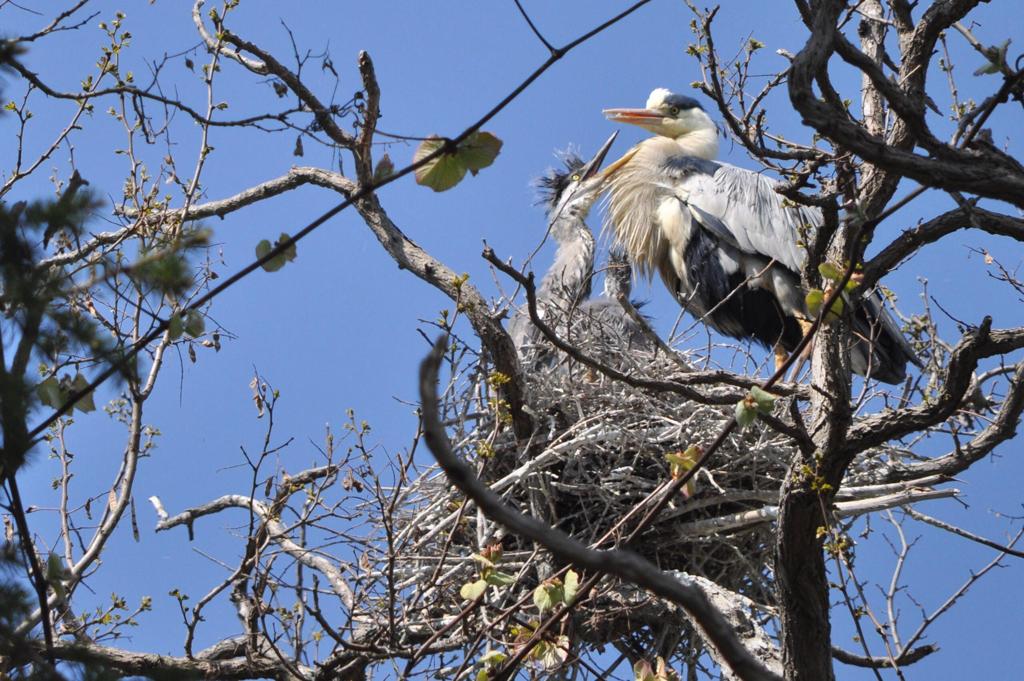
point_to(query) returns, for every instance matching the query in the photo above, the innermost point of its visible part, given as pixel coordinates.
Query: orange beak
(643, 117)
(634, 116)
(615, 165)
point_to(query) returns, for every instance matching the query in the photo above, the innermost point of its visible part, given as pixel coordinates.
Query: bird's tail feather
(880, 351)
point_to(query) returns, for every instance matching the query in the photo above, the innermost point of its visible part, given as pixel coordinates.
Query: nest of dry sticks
(599, 452)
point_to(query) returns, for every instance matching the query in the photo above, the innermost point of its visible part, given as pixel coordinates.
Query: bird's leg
(805, 327)
(780, 356)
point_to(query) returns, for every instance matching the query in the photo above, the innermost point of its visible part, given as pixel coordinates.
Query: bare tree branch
(959, 531)
(843, 509)
(907, 657)
(278, 534)
(911, 240)
(270, 66)
(148, 664)
(133, 91)
(1002, 428)
(296, 177)
(976, 173)
(977, 343)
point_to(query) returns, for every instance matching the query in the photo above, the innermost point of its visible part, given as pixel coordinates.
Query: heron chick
(565, 290)
(723, 241)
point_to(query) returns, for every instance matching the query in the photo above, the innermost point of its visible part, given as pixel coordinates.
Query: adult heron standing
(722, 240)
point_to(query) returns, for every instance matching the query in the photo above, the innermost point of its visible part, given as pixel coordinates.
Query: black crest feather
(553, 184)
(683, 102)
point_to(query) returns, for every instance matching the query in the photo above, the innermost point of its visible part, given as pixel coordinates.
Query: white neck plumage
(702, 142)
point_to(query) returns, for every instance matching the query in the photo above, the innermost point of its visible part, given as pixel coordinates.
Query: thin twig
(935, 522)
(536, 32)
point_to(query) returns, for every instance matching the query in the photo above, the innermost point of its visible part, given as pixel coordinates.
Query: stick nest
(596, 456)
(599, 451)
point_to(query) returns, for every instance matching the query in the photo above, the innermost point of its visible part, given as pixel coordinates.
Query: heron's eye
(674, 110)
(576, 177)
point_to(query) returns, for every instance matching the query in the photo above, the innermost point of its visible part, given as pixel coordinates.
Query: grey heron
(723, 241)
(565, 290)
(605, 315)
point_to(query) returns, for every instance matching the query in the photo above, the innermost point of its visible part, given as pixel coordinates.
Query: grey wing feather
(712, 223)
(743, 208)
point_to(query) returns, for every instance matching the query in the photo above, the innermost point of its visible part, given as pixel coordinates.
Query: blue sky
(337, 328)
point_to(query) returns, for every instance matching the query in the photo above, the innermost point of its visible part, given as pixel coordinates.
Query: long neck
(568, 281)
(702, 143)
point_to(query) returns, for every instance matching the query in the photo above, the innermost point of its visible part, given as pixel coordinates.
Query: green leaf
(571, 586)
(496, 578)
(542, 598)
(262, 248)
(745, 413)
(50, 392)
(289, 253)
(684, 460)
(988, 69)
(194, 324)
(996, 59)
(814, 299)
(175, 327)
(447, 169)
(681, 463)
(830, 271)
(662, 672)
(442, 172)
(483, 560)
(479, 151)
(492, 658)
(765, 400)
(84, 403)
(473, 590)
